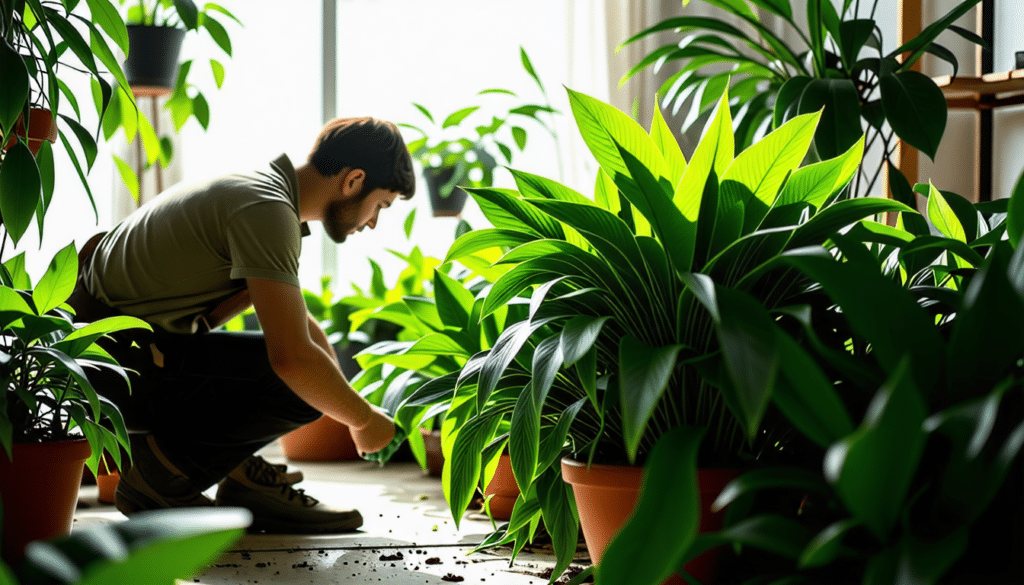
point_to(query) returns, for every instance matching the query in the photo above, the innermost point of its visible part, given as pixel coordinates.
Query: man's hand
(376, 434)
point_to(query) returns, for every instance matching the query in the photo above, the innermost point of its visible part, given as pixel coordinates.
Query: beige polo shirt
(191, 247)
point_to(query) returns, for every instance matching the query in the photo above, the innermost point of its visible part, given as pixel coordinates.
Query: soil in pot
(607, 494)
(503, 489)
(39, 489)
(322, 440)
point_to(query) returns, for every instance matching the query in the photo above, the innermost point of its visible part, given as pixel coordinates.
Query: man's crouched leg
(153, 482)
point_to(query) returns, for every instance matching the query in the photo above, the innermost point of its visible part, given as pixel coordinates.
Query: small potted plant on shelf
(41, 50)
(619, 348)
(52, 421)
(838, 66)
(454, 152)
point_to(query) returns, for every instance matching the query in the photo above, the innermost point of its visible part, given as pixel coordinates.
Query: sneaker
(154, 483)
(276, 506)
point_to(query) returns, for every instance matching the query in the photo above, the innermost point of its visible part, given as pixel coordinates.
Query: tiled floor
(408, 535)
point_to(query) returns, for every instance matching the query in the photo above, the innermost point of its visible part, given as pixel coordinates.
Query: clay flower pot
(107, 484)
(504, 489)
(39, 491)
(322, 440)
(41, 127)
(435, 456)
(607, 494)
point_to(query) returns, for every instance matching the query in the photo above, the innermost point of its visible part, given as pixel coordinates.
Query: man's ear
(353, 182)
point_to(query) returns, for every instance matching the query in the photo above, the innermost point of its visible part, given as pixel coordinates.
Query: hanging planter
(152, 64)
(39, 490)
(41, 128)
(444, 204)
(607, 494)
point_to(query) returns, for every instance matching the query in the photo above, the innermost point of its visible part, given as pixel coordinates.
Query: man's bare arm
(308, 369)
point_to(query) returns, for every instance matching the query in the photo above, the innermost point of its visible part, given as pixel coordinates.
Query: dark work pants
(215, 401)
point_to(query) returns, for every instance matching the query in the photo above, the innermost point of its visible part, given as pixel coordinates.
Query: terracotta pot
(41, 127)
(607, 494)
(435, 456)
(504, 489)
(107, 484)
(39, 490)
(323, 440)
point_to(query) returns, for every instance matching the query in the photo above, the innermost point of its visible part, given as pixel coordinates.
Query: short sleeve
(264, 241)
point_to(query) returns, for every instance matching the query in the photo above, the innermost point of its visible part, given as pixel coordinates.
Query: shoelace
(259, 471)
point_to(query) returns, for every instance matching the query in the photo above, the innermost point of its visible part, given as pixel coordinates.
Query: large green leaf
(79, 340)
(714, 154)
(644, 372)
(880, 311)
(669, 147)
(755, 480)
(750, 347)
(454, 302)
(20, 188)
(943, 217)
(462, 468)
(15, 93)
(649, 547)
(579, 335)
(524, 439)
(870, 475)
(820, 182)
(827, 545)
(807, 397)
(762, 168)
(518, 211)
(58, 281)
(484, 239)
(915, 108)
(560, 518)
(605, 129)
(840, 125)
(840, 215)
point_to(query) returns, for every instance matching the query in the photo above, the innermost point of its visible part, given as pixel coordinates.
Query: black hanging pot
(153, 51)
(450, 206)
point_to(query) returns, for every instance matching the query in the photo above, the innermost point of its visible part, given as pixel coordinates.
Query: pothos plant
(44, 361)
(918, 337)
(616, 338)
(838, 66)
(42, 50)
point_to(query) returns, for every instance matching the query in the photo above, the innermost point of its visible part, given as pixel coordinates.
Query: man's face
(348, 216)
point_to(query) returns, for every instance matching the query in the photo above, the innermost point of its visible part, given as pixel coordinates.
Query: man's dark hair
(376, 146)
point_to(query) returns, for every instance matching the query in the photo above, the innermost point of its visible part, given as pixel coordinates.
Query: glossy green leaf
(605, 129)
(714, 153)
(537, 186)
(217, 69)
(105, 14)
(915, 108)
(524, 438)
(579, 335)
(840, 125)
(821, 182)
(462, 468)
(840, 215)
(79, 340)
(770, 478)
(870, 476)
(644, 372)
(454, 302)
(217, 33)
(807, 397)
(20, 189)
(521, 213)
(827, 545)
(560, 519)
(456, 118)
(15, 94)
(505, 349)
(904, 193)
(773, 533)
(942, 216)
(926, 560)
(665, 139)
(19, 275)
(485, 239)
(649, 547)
(750, 347)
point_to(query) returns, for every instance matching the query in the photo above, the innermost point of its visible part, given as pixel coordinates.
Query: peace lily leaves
(644, 374)
(870, 476)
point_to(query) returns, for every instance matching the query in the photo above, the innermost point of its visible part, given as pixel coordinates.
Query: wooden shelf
(992, 90)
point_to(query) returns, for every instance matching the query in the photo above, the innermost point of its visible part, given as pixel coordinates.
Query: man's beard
(337, 223)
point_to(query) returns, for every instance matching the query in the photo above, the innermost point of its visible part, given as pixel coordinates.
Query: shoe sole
(129, 500)
(272, 525)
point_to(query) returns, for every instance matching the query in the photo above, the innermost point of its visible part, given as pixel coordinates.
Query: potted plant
(840, 66)
(52, 421)
(920, 340)
(453, 153)
(616, 338)
(156, 30)
(39, 46)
